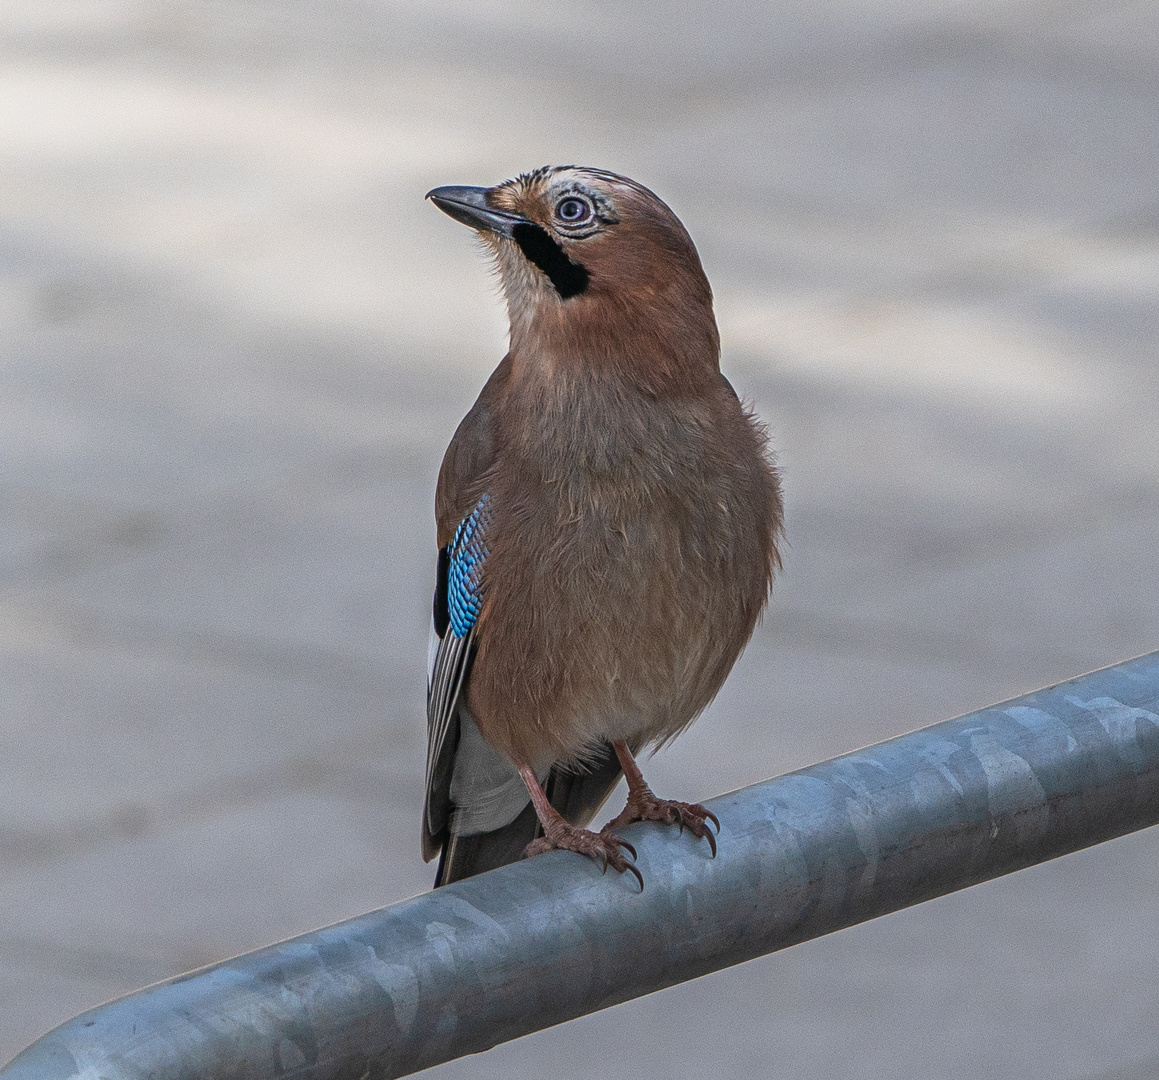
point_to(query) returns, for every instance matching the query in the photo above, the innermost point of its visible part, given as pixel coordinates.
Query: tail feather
(466, 856)
(577, 796)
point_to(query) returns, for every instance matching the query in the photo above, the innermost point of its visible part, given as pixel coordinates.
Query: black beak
(469, 205)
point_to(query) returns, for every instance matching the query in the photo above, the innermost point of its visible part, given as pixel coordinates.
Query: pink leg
(644, 806)
(558, 834)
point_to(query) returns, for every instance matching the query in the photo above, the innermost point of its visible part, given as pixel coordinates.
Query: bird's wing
(458, 600)
(458, 589)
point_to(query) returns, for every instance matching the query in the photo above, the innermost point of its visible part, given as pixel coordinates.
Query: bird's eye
(573, 210)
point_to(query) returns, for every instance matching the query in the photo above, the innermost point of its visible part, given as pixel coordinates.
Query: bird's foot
(644, 806)
(602, 847)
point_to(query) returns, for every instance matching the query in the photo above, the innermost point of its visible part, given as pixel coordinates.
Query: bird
(609, 521)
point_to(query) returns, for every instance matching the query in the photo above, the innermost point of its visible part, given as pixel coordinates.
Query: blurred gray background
(236, 341)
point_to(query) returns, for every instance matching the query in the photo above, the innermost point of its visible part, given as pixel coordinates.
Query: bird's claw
(690, 816)
(602, 847)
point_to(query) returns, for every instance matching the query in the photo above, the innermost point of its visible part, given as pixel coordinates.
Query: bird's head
(593, 265)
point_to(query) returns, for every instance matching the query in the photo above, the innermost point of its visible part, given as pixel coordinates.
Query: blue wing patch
(468, 553)
(458, 602)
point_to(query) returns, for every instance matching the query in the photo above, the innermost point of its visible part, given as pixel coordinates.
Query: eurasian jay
(608, 521)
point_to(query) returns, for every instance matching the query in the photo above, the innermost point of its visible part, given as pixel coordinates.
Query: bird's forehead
(542, 187)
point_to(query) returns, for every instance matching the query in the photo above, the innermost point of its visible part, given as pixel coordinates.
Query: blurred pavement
(235, 342)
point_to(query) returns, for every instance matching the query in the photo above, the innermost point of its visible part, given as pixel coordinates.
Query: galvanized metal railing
(522, 948)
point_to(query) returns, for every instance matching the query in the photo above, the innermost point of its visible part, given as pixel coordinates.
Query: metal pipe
(463, 968)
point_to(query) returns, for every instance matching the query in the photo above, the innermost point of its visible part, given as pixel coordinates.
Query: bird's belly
(640, 666)
(633, 612)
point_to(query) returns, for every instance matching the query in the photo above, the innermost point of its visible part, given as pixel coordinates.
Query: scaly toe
(605, 848)
(539, 846)
(690, 816)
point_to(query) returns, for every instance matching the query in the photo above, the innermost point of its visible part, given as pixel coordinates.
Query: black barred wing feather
(458, 601)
